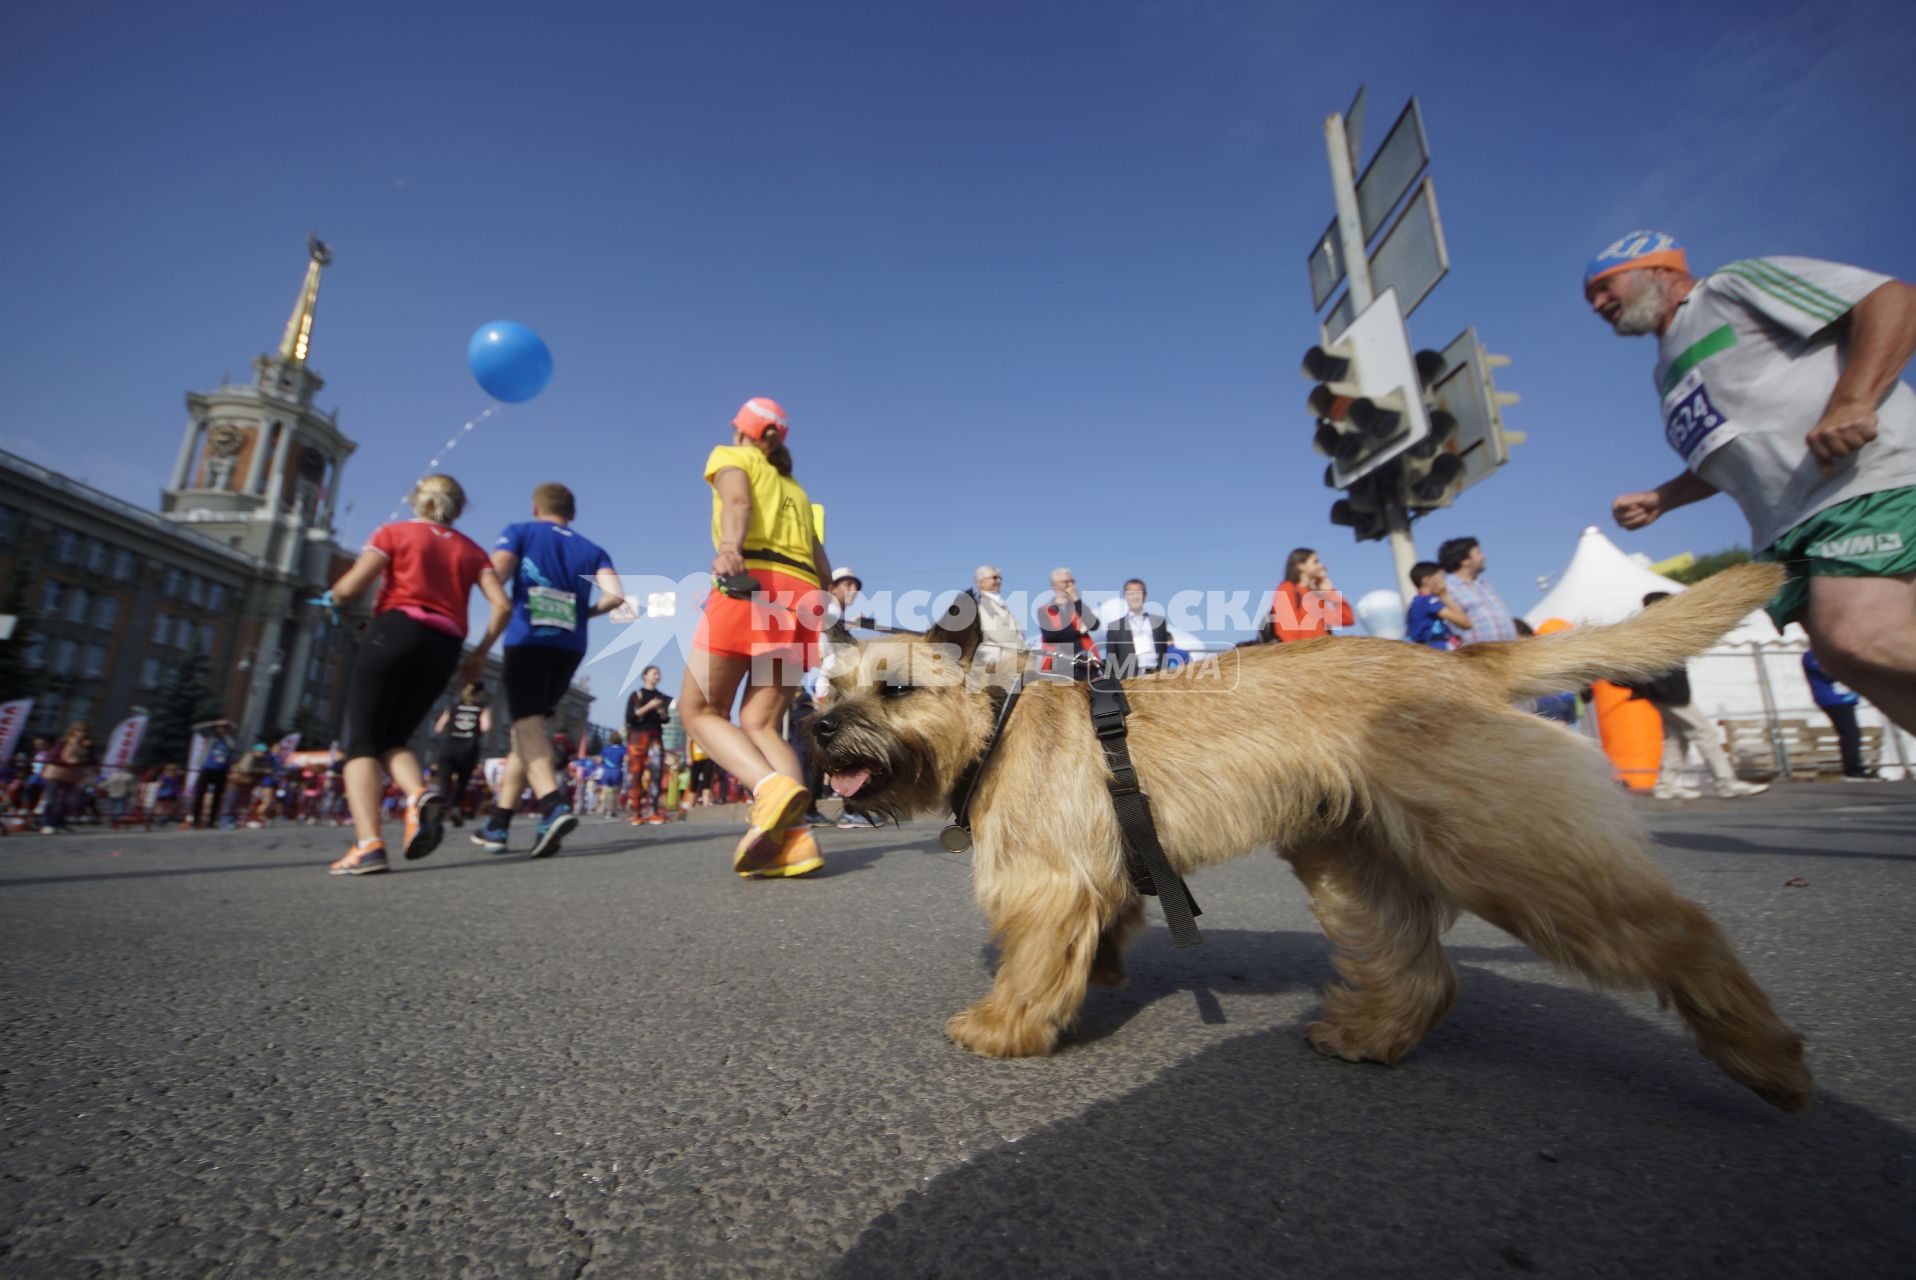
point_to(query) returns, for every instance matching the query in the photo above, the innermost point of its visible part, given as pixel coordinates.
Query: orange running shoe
(362, 860)
(777, 804)
(766, 858)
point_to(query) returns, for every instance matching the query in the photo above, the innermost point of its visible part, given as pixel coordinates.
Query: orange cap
(758, 413)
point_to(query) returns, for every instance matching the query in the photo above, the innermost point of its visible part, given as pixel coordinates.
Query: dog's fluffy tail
(1639, 648)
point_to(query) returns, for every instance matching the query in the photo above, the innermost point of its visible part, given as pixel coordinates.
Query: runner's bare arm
(474, 667)
(1635, 510)
(1882, 337)
(365, 572)
(505, 564)
(735, 515)
(611, 593)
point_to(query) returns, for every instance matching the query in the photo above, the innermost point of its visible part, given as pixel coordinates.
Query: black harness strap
(956, 838)
(1144, 858)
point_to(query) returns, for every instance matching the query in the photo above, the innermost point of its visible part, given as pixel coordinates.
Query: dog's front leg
(1107, 965)
(1047, 936)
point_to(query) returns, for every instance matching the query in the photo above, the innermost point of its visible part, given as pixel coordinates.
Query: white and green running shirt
(1747, 367)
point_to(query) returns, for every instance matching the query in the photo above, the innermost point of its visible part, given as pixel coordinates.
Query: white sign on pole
(1387, 375)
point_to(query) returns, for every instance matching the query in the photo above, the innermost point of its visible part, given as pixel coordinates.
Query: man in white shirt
(1001, 650)
(1781, 386)
(1135, 644)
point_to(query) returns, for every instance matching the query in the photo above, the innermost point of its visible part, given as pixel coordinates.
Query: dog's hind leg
(1397, 981)
(1107, 965)
(1571, 879)
(1047, 937)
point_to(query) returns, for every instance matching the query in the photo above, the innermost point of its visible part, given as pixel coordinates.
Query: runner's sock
(501, 818)
(762, 781)
(550, 802)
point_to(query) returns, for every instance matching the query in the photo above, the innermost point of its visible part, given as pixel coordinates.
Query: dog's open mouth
(856, 778)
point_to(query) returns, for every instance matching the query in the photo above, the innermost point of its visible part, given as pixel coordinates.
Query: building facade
(115, 597)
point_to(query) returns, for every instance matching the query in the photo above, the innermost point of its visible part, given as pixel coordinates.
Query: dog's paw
(982, 1029)
(1331, 1040)
(1107, 970)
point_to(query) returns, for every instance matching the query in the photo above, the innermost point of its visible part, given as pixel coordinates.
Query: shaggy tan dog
(1399, 782)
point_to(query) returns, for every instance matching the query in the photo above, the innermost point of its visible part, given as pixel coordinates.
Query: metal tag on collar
(955, 839)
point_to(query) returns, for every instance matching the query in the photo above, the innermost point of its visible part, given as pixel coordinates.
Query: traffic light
(1431, 466)
(1367, 401)
(1466, 390)
(1361, 510)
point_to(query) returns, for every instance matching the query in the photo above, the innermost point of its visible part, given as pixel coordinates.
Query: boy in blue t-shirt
(549, 569)
(1432, 620)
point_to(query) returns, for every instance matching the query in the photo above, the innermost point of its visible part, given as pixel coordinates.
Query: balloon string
(444, 449)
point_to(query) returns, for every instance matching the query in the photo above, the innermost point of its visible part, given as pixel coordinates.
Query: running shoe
(425, 823)
(491, 837)
(1733, 789)
(553, 828)
(793, 854)
(777, 803)
(362, 860)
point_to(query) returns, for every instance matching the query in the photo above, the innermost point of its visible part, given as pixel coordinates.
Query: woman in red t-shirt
(427, 571)
(1305, 604)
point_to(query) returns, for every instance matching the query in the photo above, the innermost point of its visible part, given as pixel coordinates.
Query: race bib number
(1696, 428)
(550, 607)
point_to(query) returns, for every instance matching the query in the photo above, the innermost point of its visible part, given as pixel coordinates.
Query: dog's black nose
(824, 727)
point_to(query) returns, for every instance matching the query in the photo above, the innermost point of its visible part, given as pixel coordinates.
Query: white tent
(1603, 585)
(1755, 671)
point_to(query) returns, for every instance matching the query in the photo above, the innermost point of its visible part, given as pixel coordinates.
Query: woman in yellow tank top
(759, 628)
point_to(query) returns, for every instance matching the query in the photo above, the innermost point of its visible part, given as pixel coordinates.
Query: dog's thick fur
(1399, 782)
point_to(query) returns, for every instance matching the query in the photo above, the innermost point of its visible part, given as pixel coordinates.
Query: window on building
(9, 523)
(49, 708)
(51, 589)
(124, 565)
(195, 588)
(95, 556)
(183, 634)
(94, 665)
(150, 674)
(106, 612)
(66, 546)
(77, 601)
(162, 627)
(65, 654)
(35, 653)
(216, 596)
(170, 587)
(206, 638)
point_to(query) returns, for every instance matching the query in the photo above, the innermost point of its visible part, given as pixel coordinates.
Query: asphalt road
(219, 1061)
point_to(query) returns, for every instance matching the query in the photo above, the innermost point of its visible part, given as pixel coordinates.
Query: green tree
(1704, 566)
(185, 700)
(17, 680)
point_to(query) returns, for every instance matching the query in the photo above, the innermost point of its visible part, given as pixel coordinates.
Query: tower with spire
(259, 470)
(259, 465)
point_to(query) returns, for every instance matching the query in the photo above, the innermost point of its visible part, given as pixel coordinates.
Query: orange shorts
(781, 620)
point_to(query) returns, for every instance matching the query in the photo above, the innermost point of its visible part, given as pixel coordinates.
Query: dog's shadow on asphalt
(1541, 1129)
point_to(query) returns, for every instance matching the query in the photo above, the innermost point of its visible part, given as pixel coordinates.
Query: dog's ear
(958, 628)
(838, 649)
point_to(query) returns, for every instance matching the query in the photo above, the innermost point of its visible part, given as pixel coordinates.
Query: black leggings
(455, 774)
(211, 782)
(399, 672)
(1849, 739)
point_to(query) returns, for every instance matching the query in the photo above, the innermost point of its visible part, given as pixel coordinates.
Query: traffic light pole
(1350, 236)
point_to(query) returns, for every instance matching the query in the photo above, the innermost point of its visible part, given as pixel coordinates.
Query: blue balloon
(509, 361)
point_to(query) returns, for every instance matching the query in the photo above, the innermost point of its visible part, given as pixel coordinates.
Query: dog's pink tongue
(847, 784)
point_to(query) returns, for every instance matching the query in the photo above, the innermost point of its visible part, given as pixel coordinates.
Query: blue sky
(1029, 277)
